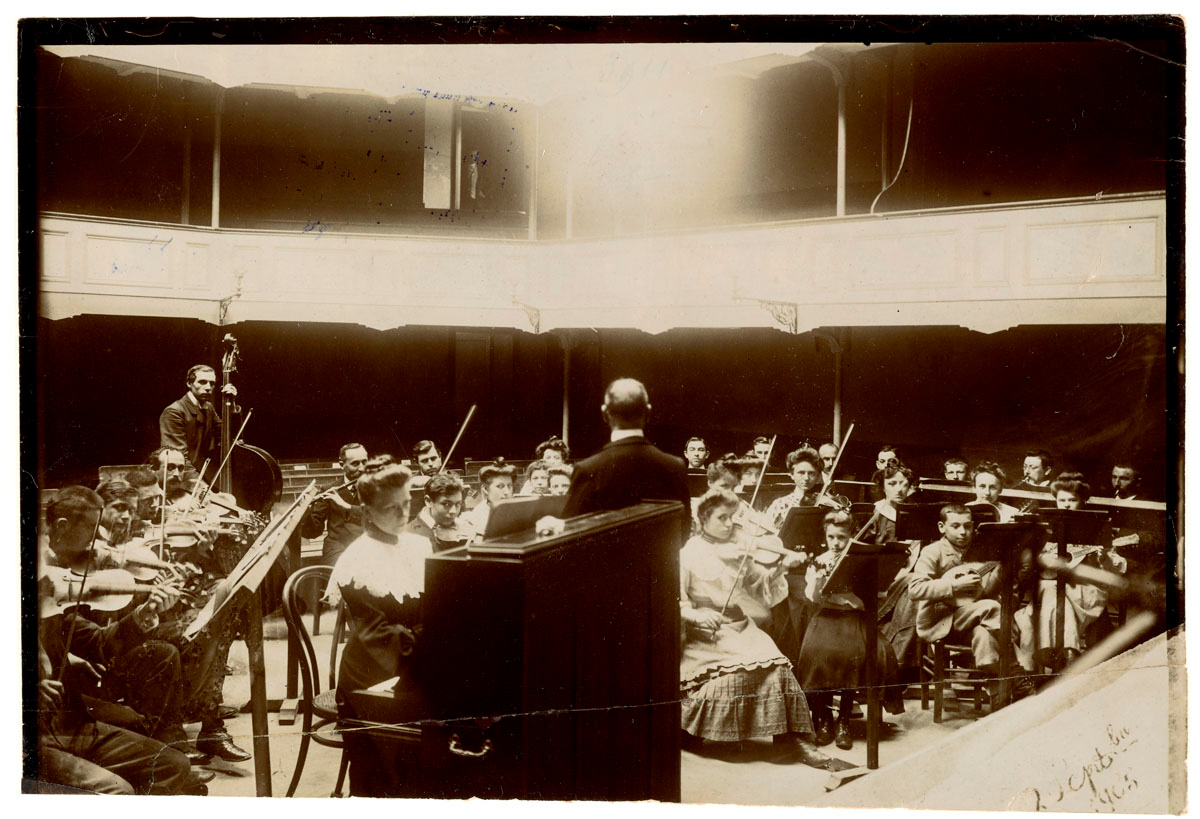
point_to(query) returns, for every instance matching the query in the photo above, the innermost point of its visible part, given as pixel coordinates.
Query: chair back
(294, 594)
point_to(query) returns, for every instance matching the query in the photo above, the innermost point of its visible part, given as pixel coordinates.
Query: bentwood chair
(318, 708)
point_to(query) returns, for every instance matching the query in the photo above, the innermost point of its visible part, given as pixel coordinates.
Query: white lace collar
(381, 568)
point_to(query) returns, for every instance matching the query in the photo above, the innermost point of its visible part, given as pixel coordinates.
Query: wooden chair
(951, 666)
(318, 708)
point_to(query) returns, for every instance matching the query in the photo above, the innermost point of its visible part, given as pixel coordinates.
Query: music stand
(918, 521)
(1077, 526)
(983, 513)
(245, 578)
(1003, 542)
(802, 529)
(697, 483)
(856, 491)
(862, 569)
(516, 514)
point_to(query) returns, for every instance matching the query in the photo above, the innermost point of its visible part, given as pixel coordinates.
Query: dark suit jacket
(625, 473)
(195, 430)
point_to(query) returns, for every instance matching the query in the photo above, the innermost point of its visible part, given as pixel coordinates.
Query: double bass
(248, 473)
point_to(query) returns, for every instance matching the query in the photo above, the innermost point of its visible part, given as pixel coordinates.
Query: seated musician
(749, 468)
(833, 656)
(805, 468)
(147, 677)
(496, 484)
(829, 453)
(736, 685)
(439, 519)
(429, 461)
(988, 480)
(537, 479)
(73, 748)
(895, 482)
(1126, 482)
(1035, 470)
(205, 562)
(381, 577)
(760, 450)
(953, 599)
(897, 612)
(954, 469)
(116, 522)
(553, 452)
(143, 479)
(560, 480)
(1085, 603)
(720, 475)
(888, 456)
(695, 452)
(336, 513)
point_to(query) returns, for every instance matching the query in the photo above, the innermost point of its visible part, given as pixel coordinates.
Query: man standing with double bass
(191, 423)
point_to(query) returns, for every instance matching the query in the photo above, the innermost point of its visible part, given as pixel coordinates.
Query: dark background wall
(1088, 394)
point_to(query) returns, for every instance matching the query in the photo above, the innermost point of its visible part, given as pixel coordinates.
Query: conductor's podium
(552, 666)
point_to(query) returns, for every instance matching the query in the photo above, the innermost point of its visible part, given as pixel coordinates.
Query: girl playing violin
(805, 467)
(736, 685)
(834, 652)
(720, 475)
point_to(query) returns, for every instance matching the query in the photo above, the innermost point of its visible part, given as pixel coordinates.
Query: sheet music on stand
(993, 541)
(887, 558)
(253, 567)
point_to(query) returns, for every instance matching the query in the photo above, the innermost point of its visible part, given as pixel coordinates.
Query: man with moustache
(338, 512)
(191, 423)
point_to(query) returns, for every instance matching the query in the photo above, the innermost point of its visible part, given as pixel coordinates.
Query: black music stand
(862, 570)
(1076, 526)
(1003, 543)
(918, 521)
(855, 491)
(514, 515)
(697, 483)
(802, 529)
(983, 513)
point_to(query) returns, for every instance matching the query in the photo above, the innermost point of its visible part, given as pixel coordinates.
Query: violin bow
(236, 439)
(742, 565)
(87, 567)
(457, 438)
(162, 517)
(846, 551)
(199, 481)
(836, 461)
(763, 472)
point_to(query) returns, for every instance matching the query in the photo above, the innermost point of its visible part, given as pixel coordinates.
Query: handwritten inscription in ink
(1104, 777)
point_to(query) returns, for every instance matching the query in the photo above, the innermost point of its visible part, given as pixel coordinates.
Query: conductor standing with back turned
(628, 469)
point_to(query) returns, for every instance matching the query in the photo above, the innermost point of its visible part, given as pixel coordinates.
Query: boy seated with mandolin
(953, 597)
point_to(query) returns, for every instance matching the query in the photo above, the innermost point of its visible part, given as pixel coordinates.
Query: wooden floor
(757, 775)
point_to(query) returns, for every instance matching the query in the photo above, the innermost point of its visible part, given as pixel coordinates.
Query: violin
(765, 549)
(833, 500)
(103, 590)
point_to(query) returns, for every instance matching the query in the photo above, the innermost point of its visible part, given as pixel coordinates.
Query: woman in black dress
(381, 577)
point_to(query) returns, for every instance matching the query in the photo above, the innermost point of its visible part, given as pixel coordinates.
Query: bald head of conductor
(626, 405)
